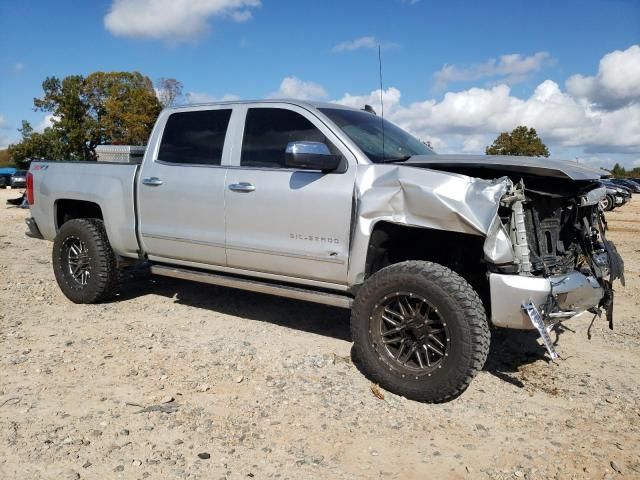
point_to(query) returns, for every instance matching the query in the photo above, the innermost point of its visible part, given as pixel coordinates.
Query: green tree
(103, 108)
(34, 145)
(71, 123)
(123, 107)
(5, 159)
(521, 141)
(618, 171)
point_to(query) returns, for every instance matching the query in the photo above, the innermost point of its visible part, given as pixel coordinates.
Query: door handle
(243, 187)
(152, 181)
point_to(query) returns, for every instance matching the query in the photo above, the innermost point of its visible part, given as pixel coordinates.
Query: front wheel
(607, 203)
(84, 264)
(420, 331)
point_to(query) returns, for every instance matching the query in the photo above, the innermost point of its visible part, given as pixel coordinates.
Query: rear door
(281, 220)
(181, 189)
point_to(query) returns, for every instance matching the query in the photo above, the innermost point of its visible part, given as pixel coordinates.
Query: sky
(455, 73)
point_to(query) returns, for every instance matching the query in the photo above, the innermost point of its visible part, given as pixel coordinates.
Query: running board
(280, 290)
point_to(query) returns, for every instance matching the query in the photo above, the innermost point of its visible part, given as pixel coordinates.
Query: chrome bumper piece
(574, 293)
(531, 311)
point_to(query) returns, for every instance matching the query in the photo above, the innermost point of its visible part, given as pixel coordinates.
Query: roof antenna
(381, 103)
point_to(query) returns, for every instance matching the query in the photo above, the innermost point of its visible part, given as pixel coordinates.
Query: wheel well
(463, 253)
(69, 209)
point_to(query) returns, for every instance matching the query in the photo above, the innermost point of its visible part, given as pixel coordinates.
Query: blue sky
(446, 64)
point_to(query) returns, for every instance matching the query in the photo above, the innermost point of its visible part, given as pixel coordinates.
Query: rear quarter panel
(110, 185)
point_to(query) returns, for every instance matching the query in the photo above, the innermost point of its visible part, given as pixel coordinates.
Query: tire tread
(106, 268)
(462, 294)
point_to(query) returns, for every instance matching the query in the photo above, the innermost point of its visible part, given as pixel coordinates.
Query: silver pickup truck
(335, 205)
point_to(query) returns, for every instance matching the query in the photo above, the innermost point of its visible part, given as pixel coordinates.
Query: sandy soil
(264, 387)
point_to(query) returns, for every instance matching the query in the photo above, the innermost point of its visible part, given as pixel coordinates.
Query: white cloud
(293, 87)
(475, 143)
(617, 82)
(468, 120)
(172, 20)
(200, 97)
(390, 99)
(511, 69)
(3, 122)
(362, 42)
(47, 121)
(18, 67)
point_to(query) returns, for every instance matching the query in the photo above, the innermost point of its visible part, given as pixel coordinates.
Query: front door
(181, 190)
(285, 221)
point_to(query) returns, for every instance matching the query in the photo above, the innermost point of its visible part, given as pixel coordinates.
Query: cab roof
(300, 103)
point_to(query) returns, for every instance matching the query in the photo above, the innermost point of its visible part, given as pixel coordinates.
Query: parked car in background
(19, 179)
(616, 195)
(5, 176)
(632, 181)
(612, 199)
(622, 190)
(628, 184)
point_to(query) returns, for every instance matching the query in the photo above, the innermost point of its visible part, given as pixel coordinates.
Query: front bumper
(573, 292)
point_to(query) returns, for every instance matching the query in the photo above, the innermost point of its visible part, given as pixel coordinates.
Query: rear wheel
(420, 331)
(84, 263)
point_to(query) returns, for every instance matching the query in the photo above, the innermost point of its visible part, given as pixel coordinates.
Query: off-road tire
(465, 318)
(105, 276)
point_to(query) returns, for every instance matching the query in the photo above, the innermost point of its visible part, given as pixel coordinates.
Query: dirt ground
(182, 380)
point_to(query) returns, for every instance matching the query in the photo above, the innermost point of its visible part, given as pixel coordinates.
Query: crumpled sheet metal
(427, 198)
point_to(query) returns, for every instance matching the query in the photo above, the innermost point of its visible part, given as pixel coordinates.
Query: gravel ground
(181, 380)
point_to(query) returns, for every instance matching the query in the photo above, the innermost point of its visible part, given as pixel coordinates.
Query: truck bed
(111, 186)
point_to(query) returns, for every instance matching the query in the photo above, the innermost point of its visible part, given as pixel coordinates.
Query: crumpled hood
(505, 164)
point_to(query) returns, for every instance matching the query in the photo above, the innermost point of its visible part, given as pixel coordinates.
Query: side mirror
(310, 156)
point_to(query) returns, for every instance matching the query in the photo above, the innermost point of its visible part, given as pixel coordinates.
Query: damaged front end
(545, 251)
(548, 257)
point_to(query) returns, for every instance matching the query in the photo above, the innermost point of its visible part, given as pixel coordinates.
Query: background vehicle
(19, 179)
(608, 202)
(628, 184)
(615, 197)
(5, 176)
(623, 192)
(334, 205)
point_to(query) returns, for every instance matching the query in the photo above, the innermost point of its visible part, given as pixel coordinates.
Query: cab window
(267, 132)
(195, 137)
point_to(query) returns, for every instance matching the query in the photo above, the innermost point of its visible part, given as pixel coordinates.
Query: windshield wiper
(396, 159)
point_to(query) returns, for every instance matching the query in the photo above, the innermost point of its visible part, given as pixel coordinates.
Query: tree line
(120, 108)
(117, 108)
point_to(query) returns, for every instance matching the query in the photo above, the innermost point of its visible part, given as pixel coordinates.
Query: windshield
(365, 129)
